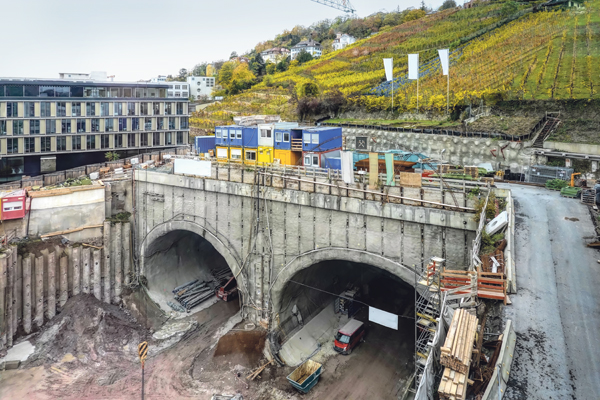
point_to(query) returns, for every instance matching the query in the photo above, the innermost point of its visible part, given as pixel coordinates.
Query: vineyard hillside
(524, 55)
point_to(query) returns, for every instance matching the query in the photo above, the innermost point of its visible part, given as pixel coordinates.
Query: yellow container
(222, 153)
(250, 155)
(265, 155)
(236, 154)
(288, 157)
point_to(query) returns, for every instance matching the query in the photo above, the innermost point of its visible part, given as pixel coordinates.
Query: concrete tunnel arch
(310, 258)
(206, 233)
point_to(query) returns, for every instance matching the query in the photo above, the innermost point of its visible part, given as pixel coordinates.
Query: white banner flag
(388, 65)
(413, 66)
(383, 318)
(444, 60)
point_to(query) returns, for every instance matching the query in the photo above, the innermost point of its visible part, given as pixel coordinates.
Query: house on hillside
(310, 46)
(561, 4)
(342, 40)
(201, 87)
(275, 54)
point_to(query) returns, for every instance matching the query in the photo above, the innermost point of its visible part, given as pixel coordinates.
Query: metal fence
(543, 173)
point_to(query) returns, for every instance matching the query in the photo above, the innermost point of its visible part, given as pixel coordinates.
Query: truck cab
(349, 336)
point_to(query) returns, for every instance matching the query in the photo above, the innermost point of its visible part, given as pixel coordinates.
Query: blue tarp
(399, 155)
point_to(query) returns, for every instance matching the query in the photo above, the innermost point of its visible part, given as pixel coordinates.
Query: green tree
(413, 15)
(111, 156)
(509, 8)
(447, 4)
(241, 78)
(234, 54)
(304, 56)
(309, 89)
(226, 73)
(271, 68)
(283, 65)
(199, 69)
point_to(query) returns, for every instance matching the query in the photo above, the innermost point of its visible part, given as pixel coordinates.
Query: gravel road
(557, 308)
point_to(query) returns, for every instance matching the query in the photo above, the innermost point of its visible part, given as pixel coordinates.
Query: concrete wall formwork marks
(296, 229)
(459, 151)
(34, 287)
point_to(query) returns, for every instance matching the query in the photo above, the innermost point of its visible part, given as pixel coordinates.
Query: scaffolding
(427, 313)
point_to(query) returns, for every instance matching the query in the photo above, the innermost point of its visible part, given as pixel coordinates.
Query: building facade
(201, 87)
(342, 40)
(310, 46)
(78, 121)
(178, 90)
(275, 54)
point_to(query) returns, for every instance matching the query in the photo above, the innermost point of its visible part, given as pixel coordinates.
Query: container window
(238, 134)
(278, 136)
(231, 134)
(251, 155)
(266, 133)
(218, 133)
(236, 154)
(221, 153)
(315, 138)
(12, 206)
(315, 160)
(286, 136)
(307, 138)
(307, 161)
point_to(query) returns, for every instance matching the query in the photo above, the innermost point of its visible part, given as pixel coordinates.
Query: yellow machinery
(573, 178)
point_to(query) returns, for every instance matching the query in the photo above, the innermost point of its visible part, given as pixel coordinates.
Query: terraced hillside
(524, 55)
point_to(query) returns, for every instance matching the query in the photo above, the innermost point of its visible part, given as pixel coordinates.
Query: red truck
(349, 336)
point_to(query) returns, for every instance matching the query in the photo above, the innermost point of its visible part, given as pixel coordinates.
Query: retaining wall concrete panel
(307, 229)
(412, 193)
(392, 239)
(394, 191)
(433, 242)
(322, 227)
(322, 188)
(432, 195)
(292, 229)
(455, 249)
(356, 232)
(411, 244)
(276, 223)
(338, 229)
(374, 235)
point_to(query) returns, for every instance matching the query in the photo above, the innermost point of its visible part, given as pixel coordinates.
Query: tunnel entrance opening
(180, 257)
(309, 320)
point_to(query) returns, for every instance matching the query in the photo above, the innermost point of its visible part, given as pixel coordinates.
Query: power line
(343, 297)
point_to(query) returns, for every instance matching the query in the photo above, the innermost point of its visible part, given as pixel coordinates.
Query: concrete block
(51, 300)
(96, 262)
(411, 193)
(39, 292)
(235, 175)
(432, 243)
(292, 229)
(356, 232)
(126, 234)
(434, 195)
(27, 289)
(76, 267)
(392, 239)
(107, 255)
(116, 244)
(64, 284)
(325, 189)
(394, 191)
(88, 282)
(456, 249)
(306, 186)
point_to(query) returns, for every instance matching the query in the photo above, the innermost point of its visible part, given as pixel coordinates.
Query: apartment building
(310, 46)
(201, 87)
(78, 121)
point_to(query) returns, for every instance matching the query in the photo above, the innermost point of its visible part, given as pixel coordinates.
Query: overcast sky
(137, 39)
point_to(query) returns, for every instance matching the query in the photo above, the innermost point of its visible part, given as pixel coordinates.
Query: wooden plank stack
(458, 347)
(453, 385)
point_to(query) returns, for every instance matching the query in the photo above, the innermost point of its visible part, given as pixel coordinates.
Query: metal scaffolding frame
(343, 5)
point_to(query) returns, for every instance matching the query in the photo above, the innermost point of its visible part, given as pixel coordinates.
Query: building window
(80, 125)
(177, 87)
(231, 134)
(315, 138)
(46, 144)
(286, 136)
(250, 155)
(167, 108)
(179, 137)
(50, 126)
(90, 109)
(144, 139)
(66, 126)
(278, 137)
(109, 125)
(34, 126)
(29, 109)
(184, 94)
(76, 143)
(180, 107)
(184, 124)
(45, 109)
(29, 145)
(105, 141)
(148, 124)
(156, 139)
(218, 133)
(135, 124)
(171, 122)
(17, 127)
(61, 109)
(90, 142)
(2, 127)
(122, 124)
(265, 133)
(130, 108)
(76, 110)
(118, 108)
(61, 143)
(104, 109)
(95, 125)
(118, 141)
(131, 140)
(161, 124)
(238, 134)
(156, 107)
(12, 145)
(168, 138)
(144, 109)
(12, 109)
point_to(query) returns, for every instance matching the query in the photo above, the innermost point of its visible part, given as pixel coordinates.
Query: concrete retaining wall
(462, 151)
(34, 287)
(581, 148)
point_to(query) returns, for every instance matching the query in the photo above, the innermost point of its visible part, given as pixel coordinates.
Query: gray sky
(135, 39)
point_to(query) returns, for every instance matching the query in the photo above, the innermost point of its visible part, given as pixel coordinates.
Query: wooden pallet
(588, 196)
(458, 347)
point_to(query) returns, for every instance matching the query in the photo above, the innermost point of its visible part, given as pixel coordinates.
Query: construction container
(543, 173)
(204, 144)
(236, 154)
(325, 159)
(222, 136)
(306, 376)
(265, 155)
(322, 139)
(250, 155)
(250, 136)
(288, 157)
(285, 136)
(266, 132)
(15, 204)
(222, 153)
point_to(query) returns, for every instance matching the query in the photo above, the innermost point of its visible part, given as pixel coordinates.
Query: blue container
(236, 136)
(204, 144)
(250, 136)
(309, 382)
(321, 138)
(284, 137)
(222, 135)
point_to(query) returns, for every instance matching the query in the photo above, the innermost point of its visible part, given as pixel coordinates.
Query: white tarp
(413, 66)
(347, 167)
(444, 60)
(192, 167)
(388, 65)
(383, 318)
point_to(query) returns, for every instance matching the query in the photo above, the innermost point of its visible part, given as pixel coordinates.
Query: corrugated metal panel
(204, 144)
(250, 136)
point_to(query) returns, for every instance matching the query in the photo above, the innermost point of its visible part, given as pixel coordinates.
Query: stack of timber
(456, 355)
(458, 347)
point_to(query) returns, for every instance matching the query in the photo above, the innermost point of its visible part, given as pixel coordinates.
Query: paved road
(557, 308)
